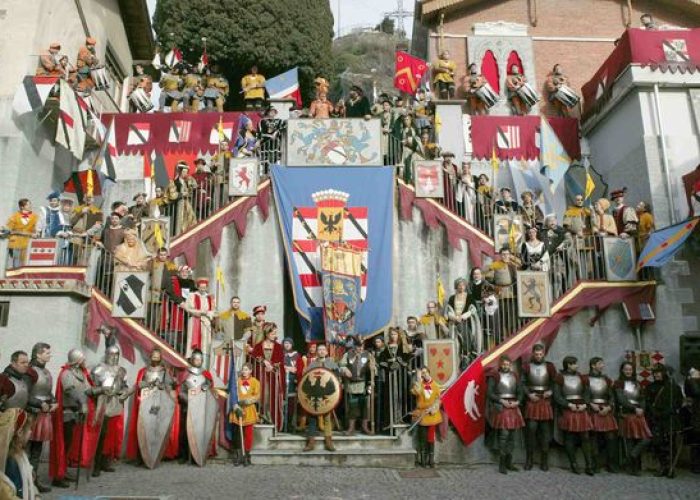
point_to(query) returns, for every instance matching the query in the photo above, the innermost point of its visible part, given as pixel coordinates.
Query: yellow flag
(222, 136)
(494, 163)
(590, 185)
(440, 292)
(90, 184)
(512, 237)
(438, 123)
(158, 235)
(220, 278)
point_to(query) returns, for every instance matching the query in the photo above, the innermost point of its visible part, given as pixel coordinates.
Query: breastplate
(538, 379)
(631, 391)
(43, 386)
(572, 388)
(21, 396)
(104, 375)
(599, 390)
(195, 378)
(358, 367)
(152, 376)
(507, 385)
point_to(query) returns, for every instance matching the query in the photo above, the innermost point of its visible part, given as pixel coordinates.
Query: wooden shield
(319, 391)
(442, 359)
(202, 416)
(155, 419)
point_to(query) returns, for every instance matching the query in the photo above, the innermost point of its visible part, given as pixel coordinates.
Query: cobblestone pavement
(219, 481)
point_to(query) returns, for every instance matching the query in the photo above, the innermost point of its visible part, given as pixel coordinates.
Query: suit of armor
(572, 396)
(504, 394)
(537, 380)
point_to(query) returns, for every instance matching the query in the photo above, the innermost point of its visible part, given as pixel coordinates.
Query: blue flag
(664, 243)
(232, 395)
(554, 158)
(330, 204)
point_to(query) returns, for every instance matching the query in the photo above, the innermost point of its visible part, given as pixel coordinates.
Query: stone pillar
(450, 133)
(4, 242)
(283, 106)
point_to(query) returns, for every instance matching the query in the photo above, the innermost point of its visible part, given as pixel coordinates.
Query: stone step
(341, 442)
(398, 459)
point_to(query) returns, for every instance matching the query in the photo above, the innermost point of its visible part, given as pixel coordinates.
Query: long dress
(272, 384)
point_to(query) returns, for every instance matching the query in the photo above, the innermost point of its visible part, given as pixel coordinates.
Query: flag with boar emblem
(326, 207)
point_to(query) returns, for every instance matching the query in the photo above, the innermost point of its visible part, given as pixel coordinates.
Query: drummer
(475, 84)
(556, 83)
(87, 61)
(516, 84)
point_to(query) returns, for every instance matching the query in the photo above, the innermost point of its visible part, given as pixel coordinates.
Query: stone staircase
(351, 451)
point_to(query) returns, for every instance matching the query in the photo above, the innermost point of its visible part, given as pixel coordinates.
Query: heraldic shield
(319, 391)
(202, 416)
(442, 359)
(155, 418)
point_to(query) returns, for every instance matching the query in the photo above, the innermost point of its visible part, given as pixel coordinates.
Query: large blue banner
(350, 205)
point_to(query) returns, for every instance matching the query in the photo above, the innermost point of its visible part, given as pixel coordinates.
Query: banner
(355, 206)
(341, 275)
(409, 72)
(70, 131)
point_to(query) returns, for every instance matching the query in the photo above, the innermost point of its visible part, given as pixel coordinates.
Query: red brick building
(578, 34)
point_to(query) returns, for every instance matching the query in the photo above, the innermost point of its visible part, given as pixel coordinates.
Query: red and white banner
(42, 252)
(139, 134)
(180, 131)
(465, 402)
(32, 94)
(70, 132)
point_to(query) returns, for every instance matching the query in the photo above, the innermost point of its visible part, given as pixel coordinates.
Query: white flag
(70, 132)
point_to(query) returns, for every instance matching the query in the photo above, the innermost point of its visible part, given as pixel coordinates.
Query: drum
(528, 95)
(100, 78)
(486, 95)
(567, 96)
(141, 101)
(319, 391)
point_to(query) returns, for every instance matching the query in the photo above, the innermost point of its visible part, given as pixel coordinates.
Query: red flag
(691, 182)
(465, 402)
(409, 71)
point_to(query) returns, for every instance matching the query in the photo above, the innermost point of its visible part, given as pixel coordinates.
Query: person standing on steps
(505, 394)
(322, 361)
(427, 413)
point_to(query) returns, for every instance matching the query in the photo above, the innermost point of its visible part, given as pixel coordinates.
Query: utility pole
(399, 15)
(338, 19)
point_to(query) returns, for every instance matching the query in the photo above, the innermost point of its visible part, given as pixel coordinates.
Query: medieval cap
(202, 280)
(55, 45)
(618, 193)
(139, 194)
(90, 41)
(181, 165)
(259, 309)
(505, 189)
(357, 89)
(53, 195)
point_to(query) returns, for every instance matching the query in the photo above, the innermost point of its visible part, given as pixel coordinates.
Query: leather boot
(420, 458)
(351, 428)
(365, 427)
(246, 459)
(35, 448)
(237, 458)
(328, 443)
(544, 461)
(97, 467)
(302, 424)
(60, 483)
(588, 459)
(310, 444)
(502, 464)
(431, 455)
(528, 461)
(509, 463)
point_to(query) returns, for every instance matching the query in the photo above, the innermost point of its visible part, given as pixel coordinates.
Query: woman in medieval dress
(268, 367)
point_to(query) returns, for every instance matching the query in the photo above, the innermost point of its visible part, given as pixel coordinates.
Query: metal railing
(72, 250)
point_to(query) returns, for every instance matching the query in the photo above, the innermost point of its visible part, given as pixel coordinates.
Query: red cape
(132, 443)
(58, 454)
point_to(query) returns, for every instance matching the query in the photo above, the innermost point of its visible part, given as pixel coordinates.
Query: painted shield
(319, 391)
(155, 418)
(442, 359)
(202, 415)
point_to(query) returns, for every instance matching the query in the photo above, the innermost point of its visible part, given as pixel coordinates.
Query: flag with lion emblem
(323, 206)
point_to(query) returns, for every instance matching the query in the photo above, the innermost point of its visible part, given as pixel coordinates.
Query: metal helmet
(112, 355)
(75, 356)
(197, 356)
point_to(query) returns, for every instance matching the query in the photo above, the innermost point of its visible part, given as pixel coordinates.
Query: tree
(386, 26)
(276, 35)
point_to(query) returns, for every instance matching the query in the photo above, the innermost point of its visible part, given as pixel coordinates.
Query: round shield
(319, 391)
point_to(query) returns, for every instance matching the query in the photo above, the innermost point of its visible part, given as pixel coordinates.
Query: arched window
(489, 68)
(514, 60)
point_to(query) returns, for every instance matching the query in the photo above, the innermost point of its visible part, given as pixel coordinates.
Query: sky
(354, 13)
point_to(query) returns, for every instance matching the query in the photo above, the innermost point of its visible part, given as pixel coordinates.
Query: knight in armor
(111, 378)
(322, 361)
(572, 397)
(356, 367)
(516, 83)
(75, 432)
(244, 415)
(556, 84)
(538, 380)
(625, 216)
(427, 415)
(87, 60)
(664, 400)
(44, 404)
(155, 376)
(444, 76)
(634, 428)
(16, 383)
(196, 380)
(291, 359)
(602, 412)
(505, 395)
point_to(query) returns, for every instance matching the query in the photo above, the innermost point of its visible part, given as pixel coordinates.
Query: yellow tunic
(15, 224)
(251, 395)
(249, 81)
(447, 77)
(426, 399)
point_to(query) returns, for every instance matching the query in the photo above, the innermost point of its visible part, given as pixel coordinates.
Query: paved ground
(218, 481)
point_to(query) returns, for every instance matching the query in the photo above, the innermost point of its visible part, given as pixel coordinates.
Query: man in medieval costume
(572, 396)
(236, 324)
(257, 328)
(44, 403)
(356, 367)
(75, 428)
(322, 361)
(625, 216)
(428, 415)
(634, 428)
(201, 308)
(433, 323)
(538, 380)
(664, 401)
(244, 415)
(154, 384)
(505, 395)
(111, 378)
